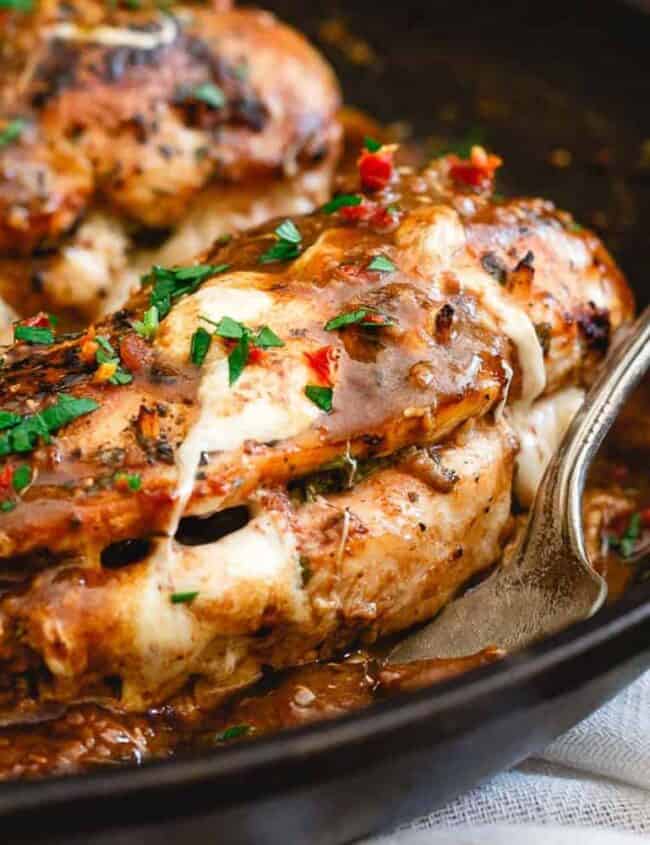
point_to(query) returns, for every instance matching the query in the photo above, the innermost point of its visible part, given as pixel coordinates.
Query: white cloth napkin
(590, 787)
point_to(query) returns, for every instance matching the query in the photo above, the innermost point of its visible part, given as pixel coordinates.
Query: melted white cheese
(236, 578)
(516, 324)
(540, 429)
(112, 36)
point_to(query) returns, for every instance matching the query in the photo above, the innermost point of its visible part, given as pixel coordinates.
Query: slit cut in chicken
(347, 384)
(188, 124)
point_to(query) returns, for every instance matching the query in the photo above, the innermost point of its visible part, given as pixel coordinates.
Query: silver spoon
(546, 583)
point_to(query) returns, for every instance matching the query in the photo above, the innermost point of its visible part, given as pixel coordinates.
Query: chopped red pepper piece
(475, 172)
(42, 320)
(321, 362)
(255, 354)
(5, 477)
(376, 169)
(135, 353)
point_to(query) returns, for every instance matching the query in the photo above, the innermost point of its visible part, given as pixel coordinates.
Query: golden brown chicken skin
(332, 340)
(126, 117)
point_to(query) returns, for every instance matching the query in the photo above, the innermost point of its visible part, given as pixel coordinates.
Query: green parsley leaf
(105, 345)
(626, 544)
(383, 264)
(171, 283)
(7, 505)
(21, 477)
(286, 247)
(347, 318)
(287, 232)
(148, 326)
(210, 94)
(121, 376)
(133, 479)
(66, 409)
(8, 419)
(184, 598)
(228, 328)
(267, 338)
(321, 396)
(280, 251)
(39, 335)
(17, 5)
(237, 359)
(342, 201)
(233, 732)
(24, 435)
(371, 145)
(366, 317)
(14, 129)
(200, 345)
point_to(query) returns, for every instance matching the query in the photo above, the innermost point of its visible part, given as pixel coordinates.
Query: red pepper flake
(135, 353)
(41, 320)
(376, 169)
(5, 478)
(322, 361)
(255, 354)
(357, 213)
(475, 172)
(148, 423)
(370, 212)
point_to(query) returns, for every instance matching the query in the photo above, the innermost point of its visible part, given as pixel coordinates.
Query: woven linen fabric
(589, 787)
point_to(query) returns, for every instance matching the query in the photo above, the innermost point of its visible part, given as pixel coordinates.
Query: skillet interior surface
(529, 80)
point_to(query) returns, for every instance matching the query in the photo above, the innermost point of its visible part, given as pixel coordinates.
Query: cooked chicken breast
(122, 120)
(386, 322)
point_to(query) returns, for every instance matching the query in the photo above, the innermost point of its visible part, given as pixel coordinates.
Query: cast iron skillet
(533, 78)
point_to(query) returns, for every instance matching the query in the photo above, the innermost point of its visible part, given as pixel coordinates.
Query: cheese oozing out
(540, 429)
(259, 563)
(112, 36)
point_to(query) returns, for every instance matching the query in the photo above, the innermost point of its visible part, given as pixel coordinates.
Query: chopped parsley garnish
(7, 505)
(287, 232)
(382, 264)
(148, 326)
(233, 330)
(39, 335)
(625, 544)
(238, 359)
(171, 283)
(233, 732)
(184, 598)
(321, 396)
(201, 340)
(8, 420)
(21, 477)
(14, 129)
(342, 201)
(23, 436)
(107, 355)
(266, 338)
(210, 94)
(17, 5)
(132, 480)
(286, 247)
(371, 144)
(367, 317)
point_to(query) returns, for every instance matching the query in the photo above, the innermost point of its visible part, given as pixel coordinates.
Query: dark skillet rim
(304, 744)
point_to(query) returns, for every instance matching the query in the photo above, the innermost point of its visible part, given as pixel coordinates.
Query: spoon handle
(620, 374)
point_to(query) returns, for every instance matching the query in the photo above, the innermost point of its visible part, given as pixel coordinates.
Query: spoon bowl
(545, 582)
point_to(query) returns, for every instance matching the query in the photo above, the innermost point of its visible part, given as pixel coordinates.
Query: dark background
(543, 84)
